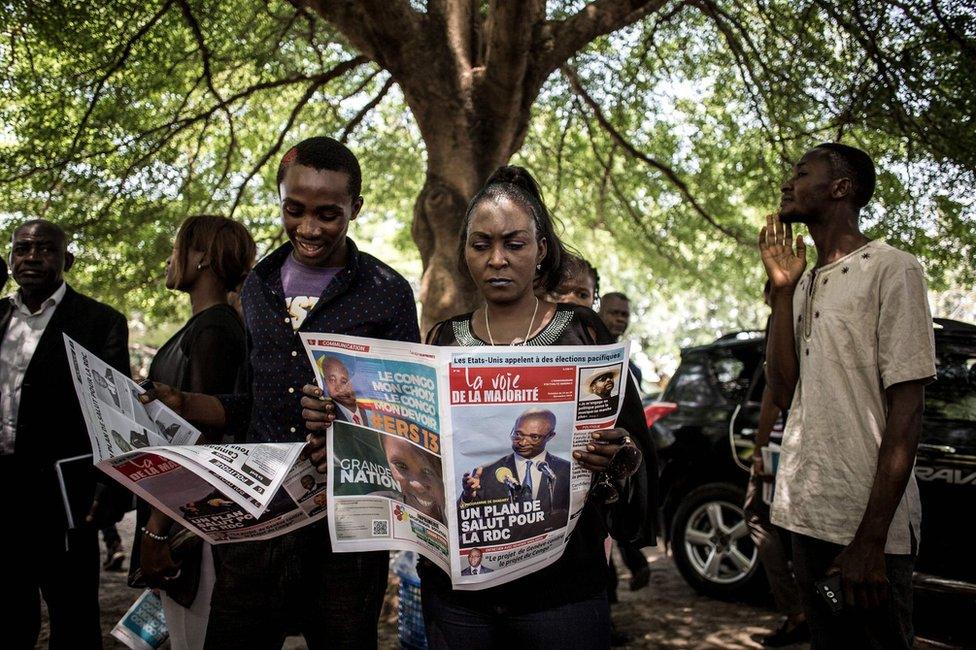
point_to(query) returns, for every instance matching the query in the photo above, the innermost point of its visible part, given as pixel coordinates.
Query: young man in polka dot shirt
(317, 282)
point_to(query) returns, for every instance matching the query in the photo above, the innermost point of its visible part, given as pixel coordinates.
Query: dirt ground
(665, 614)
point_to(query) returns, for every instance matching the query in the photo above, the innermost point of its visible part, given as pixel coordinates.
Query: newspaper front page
(462, 454)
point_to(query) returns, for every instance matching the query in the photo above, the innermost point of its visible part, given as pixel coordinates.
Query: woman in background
(579, 284)
(210, 259)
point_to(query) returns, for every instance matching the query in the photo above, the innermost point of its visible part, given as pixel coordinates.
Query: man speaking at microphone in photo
(530, 473)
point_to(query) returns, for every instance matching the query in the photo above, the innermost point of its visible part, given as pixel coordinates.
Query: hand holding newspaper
(463, 455)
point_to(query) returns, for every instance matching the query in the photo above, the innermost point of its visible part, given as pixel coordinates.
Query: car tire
(716, 561)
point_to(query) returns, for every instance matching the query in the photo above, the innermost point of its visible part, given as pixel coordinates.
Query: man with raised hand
(318, 281)
(851, 346)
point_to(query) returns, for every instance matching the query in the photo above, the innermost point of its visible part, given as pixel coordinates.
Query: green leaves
(120, 119)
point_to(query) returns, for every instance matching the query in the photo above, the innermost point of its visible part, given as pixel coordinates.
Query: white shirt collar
(53, 301)
(535, 459)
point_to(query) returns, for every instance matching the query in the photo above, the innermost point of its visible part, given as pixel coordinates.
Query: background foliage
(659, 146)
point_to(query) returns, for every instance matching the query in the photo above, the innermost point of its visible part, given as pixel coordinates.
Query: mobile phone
(831, 592)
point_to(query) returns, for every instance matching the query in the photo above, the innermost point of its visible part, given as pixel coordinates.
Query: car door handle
(942, 449)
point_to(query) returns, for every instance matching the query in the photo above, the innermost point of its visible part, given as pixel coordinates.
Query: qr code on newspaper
(381, 528)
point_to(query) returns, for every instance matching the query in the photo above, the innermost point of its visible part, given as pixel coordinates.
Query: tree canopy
(659, 130)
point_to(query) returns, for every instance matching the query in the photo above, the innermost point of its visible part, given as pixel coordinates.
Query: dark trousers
(635, 562)
(293, 584)
(887, 628)
(110, 536)
(772, 542)
(39, 565)
(583, 624)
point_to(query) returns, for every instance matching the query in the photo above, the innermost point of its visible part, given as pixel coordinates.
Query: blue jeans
(583, 624)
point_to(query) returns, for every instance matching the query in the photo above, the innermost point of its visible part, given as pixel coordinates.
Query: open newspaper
(223, 493)
(462, 454)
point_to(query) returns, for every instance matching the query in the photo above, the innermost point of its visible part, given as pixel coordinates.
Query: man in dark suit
(338, 385)
(530, 473)
(41, 422)
(474, 564)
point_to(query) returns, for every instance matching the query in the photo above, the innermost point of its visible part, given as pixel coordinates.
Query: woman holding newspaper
(510, 248)
(211, 257)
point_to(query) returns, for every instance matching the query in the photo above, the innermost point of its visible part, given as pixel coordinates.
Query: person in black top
(510, 248)
(211, 257)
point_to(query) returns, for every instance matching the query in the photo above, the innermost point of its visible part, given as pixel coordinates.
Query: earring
(538, 267)
(199, 266)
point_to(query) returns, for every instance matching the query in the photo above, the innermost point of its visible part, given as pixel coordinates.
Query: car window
(953, 393)
(690, 387)
(732, 370)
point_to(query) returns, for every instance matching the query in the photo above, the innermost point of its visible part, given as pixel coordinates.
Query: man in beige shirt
(850, 349)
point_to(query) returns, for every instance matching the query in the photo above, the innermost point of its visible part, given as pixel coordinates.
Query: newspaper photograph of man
(474, 563)
(533, 481)
(599, 391)
(106, 389)
(338, 385)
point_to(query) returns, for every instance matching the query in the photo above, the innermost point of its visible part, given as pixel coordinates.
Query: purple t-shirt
(303, 285)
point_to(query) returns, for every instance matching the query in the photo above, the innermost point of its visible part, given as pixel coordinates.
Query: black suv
(706, 420)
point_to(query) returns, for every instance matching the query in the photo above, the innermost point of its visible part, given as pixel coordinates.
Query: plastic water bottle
(410, 615)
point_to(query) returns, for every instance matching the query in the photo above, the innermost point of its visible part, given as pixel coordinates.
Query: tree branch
(205, 56)
(364, 111)
(377, 28)
(649, 239)
(178, 124)
(115, 67)
(597, 18)
(667, 171)
(459, 18)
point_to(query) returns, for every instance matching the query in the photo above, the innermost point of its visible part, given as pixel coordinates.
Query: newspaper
(770, 458)
(222, 492)
(143, 627)
(463, 455)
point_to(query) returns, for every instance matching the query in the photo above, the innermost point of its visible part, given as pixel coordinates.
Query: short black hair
(516, 184)
(576, 263)
(323, 153)
(850, 162)
(617, 296)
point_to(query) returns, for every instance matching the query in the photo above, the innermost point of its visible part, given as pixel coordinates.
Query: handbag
(186, 549)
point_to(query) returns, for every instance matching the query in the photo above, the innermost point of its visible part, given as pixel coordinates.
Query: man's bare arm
(782, 365)
(784, 267)
(862, 563)
(197, 408)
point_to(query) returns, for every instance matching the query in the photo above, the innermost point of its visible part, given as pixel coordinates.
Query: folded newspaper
(224, 493)
(461, 454)
(143, 627)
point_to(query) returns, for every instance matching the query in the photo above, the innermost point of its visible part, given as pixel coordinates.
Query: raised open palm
(783, 266)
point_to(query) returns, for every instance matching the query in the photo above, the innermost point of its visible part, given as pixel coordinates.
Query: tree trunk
(459, 161)
(445, 290)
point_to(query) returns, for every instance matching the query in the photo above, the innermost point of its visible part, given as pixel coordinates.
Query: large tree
(667, 123)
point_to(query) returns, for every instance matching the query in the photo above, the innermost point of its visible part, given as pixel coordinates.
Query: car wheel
(711, 545)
